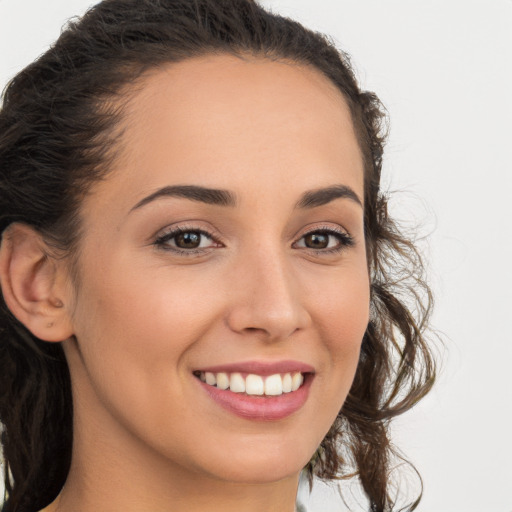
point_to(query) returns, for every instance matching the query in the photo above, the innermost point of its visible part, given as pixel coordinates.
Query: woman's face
(226, 244)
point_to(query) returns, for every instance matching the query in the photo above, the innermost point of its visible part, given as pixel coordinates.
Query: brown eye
(325, 241)
(316, 240)
(188, 240)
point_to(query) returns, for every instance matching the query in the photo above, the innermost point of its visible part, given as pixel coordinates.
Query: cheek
(345, 323)
(145, 320)
(341, 308)
(135, 333)
(341, 315)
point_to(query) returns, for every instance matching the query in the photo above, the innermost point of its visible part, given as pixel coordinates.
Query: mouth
(252, 384)
(258, 391)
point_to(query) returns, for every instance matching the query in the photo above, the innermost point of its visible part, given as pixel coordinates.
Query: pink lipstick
(258, 390)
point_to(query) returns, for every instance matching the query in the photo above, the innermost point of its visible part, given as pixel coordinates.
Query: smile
(258, 391)
(253, 384)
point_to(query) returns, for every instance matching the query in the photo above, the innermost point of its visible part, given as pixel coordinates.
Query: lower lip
(261, 408)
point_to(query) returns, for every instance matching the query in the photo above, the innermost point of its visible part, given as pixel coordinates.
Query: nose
(266, 299)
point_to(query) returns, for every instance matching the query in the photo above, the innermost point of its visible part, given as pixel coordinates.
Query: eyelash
(162, 242)
(344, 240)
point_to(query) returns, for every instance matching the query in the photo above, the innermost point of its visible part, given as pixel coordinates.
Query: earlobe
(31, 284)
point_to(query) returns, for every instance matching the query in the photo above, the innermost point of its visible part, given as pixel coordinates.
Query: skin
(144, 317)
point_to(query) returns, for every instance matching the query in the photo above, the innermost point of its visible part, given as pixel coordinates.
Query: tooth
(254, 385)
(202, 376)
(287, 383)
(210, 378)
(297, 380)
(237, 383)
(222, 380)
(274, 385)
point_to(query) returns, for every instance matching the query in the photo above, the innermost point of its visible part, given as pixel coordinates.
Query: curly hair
(57, 138)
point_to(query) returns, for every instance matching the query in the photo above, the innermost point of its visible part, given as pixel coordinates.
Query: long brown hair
(56, 139)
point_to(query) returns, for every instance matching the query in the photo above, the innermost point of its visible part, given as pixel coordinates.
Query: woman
(204, 294)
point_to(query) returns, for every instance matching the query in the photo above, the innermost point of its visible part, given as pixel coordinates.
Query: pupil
(317, 241)
(189, 240)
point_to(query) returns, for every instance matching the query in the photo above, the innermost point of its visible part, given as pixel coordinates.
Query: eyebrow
(220, 197)
(192, 192)
(322, 196)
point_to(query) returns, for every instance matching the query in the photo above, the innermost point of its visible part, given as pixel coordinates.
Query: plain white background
(443, 70)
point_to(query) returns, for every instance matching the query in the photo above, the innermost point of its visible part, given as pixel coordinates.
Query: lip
(260, 408)
(263, 368)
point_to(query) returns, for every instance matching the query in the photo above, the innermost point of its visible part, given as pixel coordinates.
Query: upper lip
(263, 368)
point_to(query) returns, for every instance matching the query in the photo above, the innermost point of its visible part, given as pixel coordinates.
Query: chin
(264, 466)
(261, 475)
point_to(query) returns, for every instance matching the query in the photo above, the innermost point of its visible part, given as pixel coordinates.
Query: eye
(184, 240)
(325, 240)
(189, 240)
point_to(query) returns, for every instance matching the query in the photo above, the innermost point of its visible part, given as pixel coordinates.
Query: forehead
(230, 122)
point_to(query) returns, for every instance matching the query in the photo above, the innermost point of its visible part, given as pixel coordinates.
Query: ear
(34, 284)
